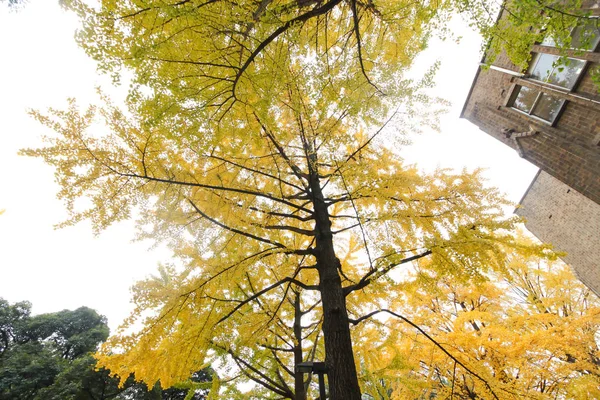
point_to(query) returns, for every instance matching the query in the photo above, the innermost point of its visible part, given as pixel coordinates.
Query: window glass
(525, 98)
(543, 66)
(565, 75)
(586, 37)
(548, 41)
(547, 107)
(534, 102)
(548, 68)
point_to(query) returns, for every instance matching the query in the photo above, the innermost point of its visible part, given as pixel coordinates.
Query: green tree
(49, 356)
(12, 317)
(36, 349)
(525, 23)
(26, 369)
(70, 333)
(14, 5)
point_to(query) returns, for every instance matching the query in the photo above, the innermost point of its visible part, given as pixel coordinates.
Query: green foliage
(71, 333)
(38, 350)
(12, 319)
(48, 357)
(27, 368)
(523, 23)
(14, 4)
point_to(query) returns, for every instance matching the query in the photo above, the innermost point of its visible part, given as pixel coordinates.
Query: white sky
(41, 66)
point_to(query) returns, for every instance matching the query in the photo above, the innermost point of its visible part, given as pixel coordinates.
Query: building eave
(481, 62)
(462, 112)
(528, 189)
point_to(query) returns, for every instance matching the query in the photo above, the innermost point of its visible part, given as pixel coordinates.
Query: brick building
(550, 114)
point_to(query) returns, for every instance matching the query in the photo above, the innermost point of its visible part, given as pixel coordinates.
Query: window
(586, 37)
(583, 37)
(552, 70)
(533, 102)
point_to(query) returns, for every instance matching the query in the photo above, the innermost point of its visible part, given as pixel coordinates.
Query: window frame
(515, 90)
(546, 83)
(513, 97)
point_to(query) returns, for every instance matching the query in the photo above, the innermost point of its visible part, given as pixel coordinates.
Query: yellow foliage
(259, 142)
(499, 331)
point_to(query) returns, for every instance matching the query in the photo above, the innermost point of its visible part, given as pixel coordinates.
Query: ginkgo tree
(194, 61)
(259, 140)
(266, 208)
(292, 336)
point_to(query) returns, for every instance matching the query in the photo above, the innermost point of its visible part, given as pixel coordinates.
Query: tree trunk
(339, 357)
(299, 391)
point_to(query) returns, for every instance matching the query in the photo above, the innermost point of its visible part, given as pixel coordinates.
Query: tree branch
(325, 8)
(203, 186)
(276, 178)
(281, 151)
(431, 339)
(375, 273)
(268, 383)
(359, 44)
(300, 231)
(234, 230)
(265, 290)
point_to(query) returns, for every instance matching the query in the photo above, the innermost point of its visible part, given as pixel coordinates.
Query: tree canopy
(14, 4)
(36, 350)
(260, 140)
(297, 201)
(196, 60)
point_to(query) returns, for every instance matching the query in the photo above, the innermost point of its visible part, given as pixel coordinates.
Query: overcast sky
(41, 66)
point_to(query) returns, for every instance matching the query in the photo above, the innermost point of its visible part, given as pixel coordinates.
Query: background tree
(530, 332)
(36, 349)
(48, 356)
(14, 4)
(12, 317)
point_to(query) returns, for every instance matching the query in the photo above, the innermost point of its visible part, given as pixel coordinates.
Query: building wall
(560, 215)
(569, 150)
(562, 205)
